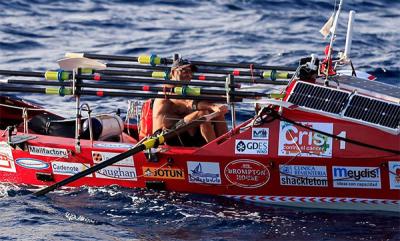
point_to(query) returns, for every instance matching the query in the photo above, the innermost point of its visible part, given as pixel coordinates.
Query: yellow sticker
(163, 173)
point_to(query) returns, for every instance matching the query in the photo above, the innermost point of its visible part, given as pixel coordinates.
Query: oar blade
(80, 62)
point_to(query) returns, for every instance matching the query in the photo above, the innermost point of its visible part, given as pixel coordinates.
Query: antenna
(346, 55)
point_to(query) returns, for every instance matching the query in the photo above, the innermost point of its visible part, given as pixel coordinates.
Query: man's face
(183, 72)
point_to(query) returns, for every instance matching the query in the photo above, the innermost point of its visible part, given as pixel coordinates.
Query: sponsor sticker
(356, 177)
(254, 147)
(260, 133)
(247, 173)
(303, 175)
(6, 158)
(394, 174)
(297, 141)
(99, 156)
(164, 173)
(68, 168)
(47, 151)
(113, 145)
(31, 163)
(204, 172)
(117, 172)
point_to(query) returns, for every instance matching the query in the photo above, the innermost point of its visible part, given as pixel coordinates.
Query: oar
(179, 90)
(65, 75)
(147, 144)
(235, 72)
(263, 79)
(155, 60)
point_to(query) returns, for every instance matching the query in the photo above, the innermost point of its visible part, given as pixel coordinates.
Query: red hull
(276, 163)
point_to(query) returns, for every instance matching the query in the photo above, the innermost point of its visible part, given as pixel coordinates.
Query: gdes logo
(257, 147)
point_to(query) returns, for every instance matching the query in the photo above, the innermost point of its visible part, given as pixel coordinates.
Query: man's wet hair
(183, 63)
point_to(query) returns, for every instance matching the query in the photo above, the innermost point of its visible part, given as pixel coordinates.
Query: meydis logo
(297, 141)
(356, 177)
(163, 173)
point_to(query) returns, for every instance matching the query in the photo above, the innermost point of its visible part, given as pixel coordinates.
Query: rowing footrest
(19, 139)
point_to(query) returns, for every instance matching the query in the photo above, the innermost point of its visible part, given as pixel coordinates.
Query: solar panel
(346, 104)
(319, 98)
(374, 111)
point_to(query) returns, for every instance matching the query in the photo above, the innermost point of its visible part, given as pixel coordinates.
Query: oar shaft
(148, 81)
(202, 63)
(22, 73)
(64, 75)
(180, 90)
(101, 93)
(253, 74)
(159, 74)
(36, 82)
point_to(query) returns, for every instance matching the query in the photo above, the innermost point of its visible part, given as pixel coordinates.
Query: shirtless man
(168, 112)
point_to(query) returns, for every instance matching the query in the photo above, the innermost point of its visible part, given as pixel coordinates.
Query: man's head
(182, 71)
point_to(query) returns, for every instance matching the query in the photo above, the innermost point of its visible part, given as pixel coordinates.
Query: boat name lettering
(46, 151)
(355, 174)
(68, 168)
(117, 172)
(6, 158)
(257, 147)
(32, 163)
(260, 133)
(302, 170)
(356, 177)
(164, 173)
(394, 174)
(294, 141)
(65, 169)
(303, 175)
(247, 173)
(204, 172)
(303, 181)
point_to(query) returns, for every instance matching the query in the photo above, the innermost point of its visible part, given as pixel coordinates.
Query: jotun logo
(164, 173)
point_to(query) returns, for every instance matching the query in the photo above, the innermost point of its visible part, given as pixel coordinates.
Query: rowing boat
(330, 141)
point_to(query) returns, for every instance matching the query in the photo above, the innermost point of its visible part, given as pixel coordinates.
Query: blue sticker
(113, 145)
(32, 163)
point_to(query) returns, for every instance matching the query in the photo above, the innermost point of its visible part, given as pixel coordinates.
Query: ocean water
(34, 34)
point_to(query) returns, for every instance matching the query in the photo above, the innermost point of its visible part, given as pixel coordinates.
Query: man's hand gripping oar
(149, 142)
